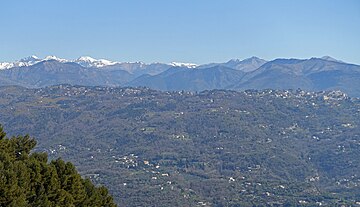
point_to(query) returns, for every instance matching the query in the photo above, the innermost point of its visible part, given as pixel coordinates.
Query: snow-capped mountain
(28, 61)
(84, 61)
(51, 57)
(186, 65)
(89, 62)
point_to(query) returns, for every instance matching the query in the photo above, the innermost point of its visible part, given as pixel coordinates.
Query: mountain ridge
(85, 61)
(325, 73)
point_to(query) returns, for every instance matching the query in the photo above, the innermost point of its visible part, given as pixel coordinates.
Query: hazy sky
(196, 31)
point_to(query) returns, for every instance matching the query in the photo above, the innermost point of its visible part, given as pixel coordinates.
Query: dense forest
(211, 148)
(28, 179)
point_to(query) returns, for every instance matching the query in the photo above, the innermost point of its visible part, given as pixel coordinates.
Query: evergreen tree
(27, 179)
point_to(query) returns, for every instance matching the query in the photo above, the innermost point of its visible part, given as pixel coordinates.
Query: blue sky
(196, 31)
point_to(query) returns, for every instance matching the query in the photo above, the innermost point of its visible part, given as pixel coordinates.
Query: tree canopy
(29, 179)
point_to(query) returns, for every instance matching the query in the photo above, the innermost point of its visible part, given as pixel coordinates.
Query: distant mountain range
(314, 74)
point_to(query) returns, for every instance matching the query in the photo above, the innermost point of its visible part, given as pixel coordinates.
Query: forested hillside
(29, 179)
(213, 148)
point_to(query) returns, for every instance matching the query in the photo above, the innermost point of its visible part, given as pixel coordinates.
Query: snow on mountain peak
(5, 65)
(84, 61)
(30, 59)
(107, 62)
(86, 58)
(51, 57)
(187, 65)
(87, 61)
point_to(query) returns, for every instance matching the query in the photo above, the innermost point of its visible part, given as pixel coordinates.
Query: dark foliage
(27, 179)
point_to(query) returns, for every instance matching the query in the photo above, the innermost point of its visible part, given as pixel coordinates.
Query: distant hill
(313, 74)
(213, 148)
(216, 77)
(246, 65)
(139, 68)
